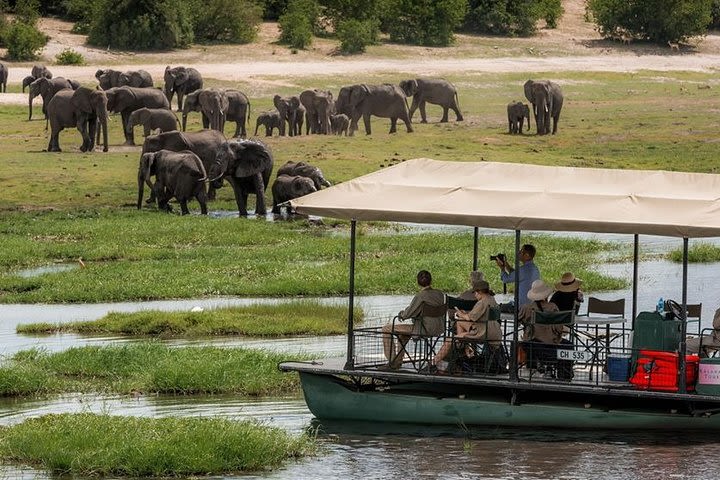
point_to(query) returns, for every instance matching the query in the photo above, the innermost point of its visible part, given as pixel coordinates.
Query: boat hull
(333, 398)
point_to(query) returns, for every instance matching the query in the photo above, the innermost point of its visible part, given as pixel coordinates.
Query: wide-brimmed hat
(481, 285)
(568, 283)
(476, 277)
(539, 291)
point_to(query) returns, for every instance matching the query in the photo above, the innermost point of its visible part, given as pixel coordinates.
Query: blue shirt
(528, 273)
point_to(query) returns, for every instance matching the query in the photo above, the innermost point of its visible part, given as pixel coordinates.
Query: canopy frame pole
(683, 321)
(350, 361)
(514, 349)
(476, 233)
(636, 261)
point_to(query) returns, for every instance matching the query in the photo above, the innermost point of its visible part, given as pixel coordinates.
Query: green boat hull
(332, 398)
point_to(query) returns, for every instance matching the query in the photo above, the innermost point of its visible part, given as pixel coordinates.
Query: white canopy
(520, 196)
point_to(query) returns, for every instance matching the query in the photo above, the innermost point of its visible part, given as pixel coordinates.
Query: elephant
(213, 103)
(109, 78)
(204, 144)
(83, 108)
(39, 70)
(247, 165)
(339, 124)
(363, 100)
(432, 90)
(177, 174)
(289, 108)
(318, 105)
(238, 111)
(27, 81)
(288, 187)
(47, 88)
(516, 113)
(305, 170)
(128, 99)
(153, 118)
(547, 101)
(181, 80)
(3, 77)
(270, 120)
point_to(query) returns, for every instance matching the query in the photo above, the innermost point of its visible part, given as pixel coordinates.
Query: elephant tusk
(216, 178)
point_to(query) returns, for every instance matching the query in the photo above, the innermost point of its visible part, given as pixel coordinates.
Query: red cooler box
(659, 371)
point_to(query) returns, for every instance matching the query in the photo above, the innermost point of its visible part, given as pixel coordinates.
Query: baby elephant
(516, 112)
(304, 170)
(177, 174)
(269, 120)
(339, 124)
(287, 187)
(153, 118)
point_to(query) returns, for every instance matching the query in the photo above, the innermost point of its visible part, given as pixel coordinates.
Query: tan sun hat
(539, 291)
(568, 283)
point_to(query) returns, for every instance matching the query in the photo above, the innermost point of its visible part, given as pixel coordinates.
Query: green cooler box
(653, 332)
(709, 377)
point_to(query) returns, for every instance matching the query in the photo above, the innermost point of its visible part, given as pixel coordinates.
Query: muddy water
(387, 451)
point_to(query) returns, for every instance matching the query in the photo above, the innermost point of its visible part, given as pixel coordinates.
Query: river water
(351, 450)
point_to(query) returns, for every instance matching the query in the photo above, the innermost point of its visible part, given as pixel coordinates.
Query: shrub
(551, 11)
(69, 57)
(338, 11)
(356, 35)
(83, 12)
(715, 13)
(24, 41)
(233, 21)
(142, 25)
(3, 29)
(655, 20)
(424, 22)
(295, 29)
(27, 11)
(511, 17)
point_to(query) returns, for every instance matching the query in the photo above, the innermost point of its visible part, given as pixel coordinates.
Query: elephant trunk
(103, 118)
(528, 117)
(184, 121)
(30, 102)
(141, 188)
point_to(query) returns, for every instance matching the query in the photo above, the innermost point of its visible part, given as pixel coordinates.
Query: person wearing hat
(476, 276)
(538, 297)
(567, 294)
(527, 273)
(475, 323)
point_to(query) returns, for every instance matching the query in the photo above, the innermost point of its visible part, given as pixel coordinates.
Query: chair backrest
(694, 310)
(606, 307)
(466, 305)
(566, 317)
(433, 310)
(494, 314)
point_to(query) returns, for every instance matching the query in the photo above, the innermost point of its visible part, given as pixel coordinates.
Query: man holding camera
(527, 273)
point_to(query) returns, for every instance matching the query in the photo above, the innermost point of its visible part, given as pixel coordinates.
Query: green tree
(23, 41)
(233, 21)
(655, 20)
(142, 25)
(424, 22)
(299, 22)
(511, 17)
(356, 35)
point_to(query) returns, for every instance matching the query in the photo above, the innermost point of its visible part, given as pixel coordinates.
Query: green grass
(700, 252)
(164, 256)
(296, 318)
(103, 445)
(149, 368)
(59, 207)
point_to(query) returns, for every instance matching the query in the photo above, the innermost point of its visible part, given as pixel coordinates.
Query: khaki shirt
(482, 327)
(428, 325)
(539, 333)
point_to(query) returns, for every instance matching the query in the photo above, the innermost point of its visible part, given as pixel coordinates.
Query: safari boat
(657, 385)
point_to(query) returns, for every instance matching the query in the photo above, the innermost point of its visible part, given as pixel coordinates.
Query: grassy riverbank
(164, 256)
(147, 368)
(103, 445)
(296, 318)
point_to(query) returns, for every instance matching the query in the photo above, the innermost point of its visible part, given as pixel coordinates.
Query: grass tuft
(101, 445)
(700, 252)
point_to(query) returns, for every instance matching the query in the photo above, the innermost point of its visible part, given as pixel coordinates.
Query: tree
(659, 21)
(511, 17)
(424, 22)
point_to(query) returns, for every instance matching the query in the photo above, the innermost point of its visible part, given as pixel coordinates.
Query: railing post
(682, 384)
(475, 248)
(636, 255)
(514, 349)
(350, 361)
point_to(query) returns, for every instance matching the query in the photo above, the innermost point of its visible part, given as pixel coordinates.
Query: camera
(499, 256)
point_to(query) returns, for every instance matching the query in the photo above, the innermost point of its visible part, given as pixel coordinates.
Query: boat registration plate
(576, 355)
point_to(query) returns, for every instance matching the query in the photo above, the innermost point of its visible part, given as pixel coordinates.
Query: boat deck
(336, 366)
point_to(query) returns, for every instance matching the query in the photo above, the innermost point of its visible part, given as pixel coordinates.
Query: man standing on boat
(421, 325)
(528, 271)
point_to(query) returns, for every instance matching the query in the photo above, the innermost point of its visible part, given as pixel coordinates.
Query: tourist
(568, 295)
(475, 277)
(712, 342)
(527, 273)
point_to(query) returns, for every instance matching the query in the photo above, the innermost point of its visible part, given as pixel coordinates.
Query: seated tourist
(567, 294)
(474, 324)
(475, 277)
(538, 296)
(711, 341)
(419, 326)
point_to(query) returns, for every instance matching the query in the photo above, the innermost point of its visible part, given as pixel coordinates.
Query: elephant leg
(211, 193)
(268, 131)
(393, 124)
(129, 137)
(205, 121)
(458, 115)
(240, 196)
(238, 130)
(183, 206)
(54, 145)
(202, 200)
(92, 130)
(180, 100)
(413, 105)
(423, 116)
(520, 125)
(366, 121)
(146, 130)
(408, 123)
(257, 125)
(444, 118)
(555, 122)
(260, 208)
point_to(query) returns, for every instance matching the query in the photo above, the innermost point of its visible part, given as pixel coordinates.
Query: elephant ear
(147, 162)
(81, 100)
(528, 91)
(277, 101)
(294, 102)
(181, 77)
(251, 157)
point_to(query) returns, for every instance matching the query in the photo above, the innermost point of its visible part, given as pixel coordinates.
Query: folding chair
(432, 326)
(694, 311)
(605, 308)
(543, 356)
(453, 302)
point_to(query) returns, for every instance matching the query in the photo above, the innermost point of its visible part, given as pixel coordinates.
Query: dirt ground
(575, 46)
